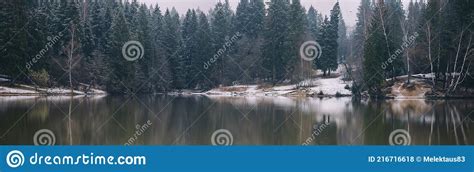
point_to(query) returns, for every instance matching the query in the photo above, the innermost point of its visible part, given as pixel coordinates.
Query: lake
(201, 120)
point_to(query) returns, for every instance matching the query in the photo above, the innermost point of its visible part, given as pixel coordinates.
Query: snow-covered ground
(29, 90)
(328, 86)
(332, 86)
(8, 90)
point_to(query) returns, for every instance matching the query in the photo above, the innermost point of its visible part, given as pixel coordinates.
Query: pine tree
(246, 52)
(242, 16)
(333, 31)
(188, 57)
(329, 40)
(276, 50)
(342, 41)
(256, 18)
(15, 40)
(361, 34)
(394, 30)
(375, 50)
(299, 69)
(220, 27)
(120, 70)
(203, 53)
(159, 67)
(314, 23)
(322, 63)
(171, 43)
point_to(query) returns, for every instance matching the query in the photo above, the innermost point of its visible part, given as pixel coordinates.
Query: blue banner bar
(236, 158)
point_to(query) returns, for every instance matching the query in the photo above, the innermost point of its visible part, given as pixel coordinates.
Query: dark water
(192, 120)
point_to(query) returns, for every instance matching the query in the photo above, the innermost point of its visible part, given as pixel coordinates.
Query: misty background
(348, 7)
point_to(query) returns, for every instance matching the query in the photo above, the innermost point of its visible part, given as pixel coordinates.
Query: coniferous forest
(66, 43)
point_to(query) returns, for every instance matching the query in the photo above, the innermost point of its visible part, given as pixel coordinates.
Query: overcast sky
(348, 7)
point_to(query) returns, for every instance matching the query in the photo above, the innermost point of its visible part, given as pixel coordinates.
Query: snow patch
(329, 86)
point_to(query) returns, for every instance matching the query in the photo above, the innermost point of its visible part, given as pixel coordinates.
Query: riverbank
(328, 86)
(26, 90)
(334, 85)
(421, 86)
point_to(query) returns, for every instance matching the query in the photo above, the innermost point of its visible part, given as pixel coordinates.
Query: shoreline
(297, 93)
(26, 90)
(3, 95)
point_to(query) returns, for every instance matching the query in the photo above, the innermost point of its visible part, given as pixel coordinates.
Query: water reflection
(191, 120)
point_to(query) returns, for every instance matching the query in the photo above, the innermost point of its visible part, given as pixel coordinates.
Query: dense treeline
(198, 50)
(69, 43)
(430, 37)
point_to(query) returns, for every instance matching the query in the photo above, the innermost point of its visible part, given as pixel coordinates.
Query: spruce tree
(276, 50)
(159, 67)
(333, 33)
(171, 43)
(203, 52)
(256, 18)
(188, 57)
(375, 50)
(393, 28)
(298, 68)
(361, 33)
(322, 63)
(220, 26)
(120, 70)
(313, 22)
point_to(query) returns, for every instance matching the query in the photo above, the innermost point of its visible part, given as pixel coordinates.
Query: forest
(68, 43)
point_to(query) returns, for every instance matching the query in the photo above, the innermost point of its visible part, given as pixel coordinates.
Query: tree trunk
(430, 57)
(71, 53)
(456, 63)
(463, 63)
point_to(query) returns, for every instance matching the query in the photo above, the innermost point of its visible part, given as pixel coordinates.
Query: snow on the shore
(60, 91)
(329, 86)
(29, 90)
(8, 90)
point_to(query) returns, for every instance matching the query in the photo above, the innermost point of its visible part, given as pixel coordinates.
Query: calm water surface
(191, 120)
